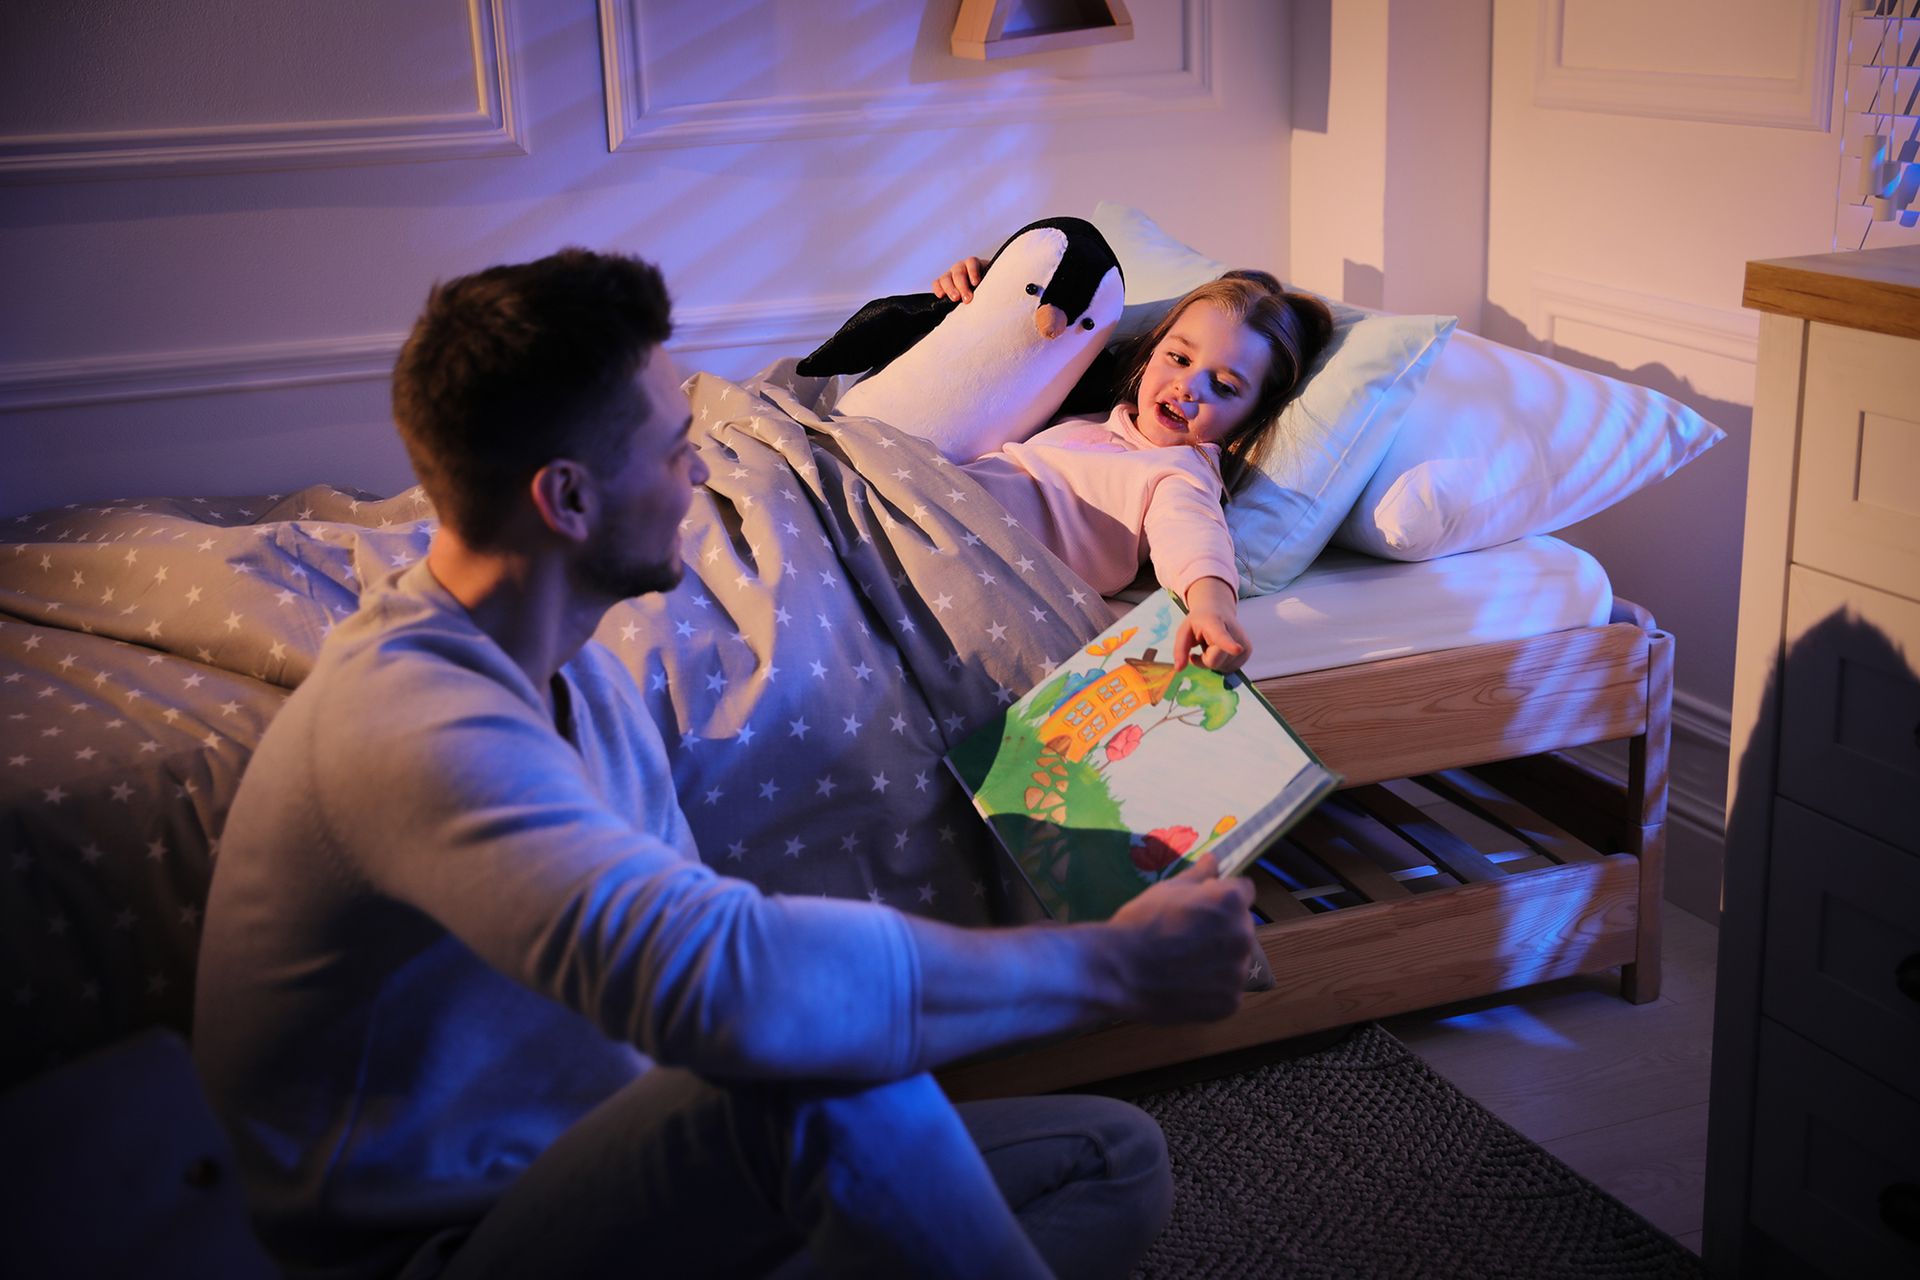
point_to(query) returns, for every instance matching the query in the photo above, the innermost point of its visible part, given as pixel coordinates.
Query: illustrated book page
(1116, 771)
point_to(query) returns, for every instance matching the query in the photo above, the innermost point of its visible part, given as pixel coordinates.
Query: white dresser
(1813, 1164)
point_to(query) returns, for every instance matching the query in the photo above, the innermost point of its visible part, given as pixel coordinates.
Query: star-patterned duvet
(853, 606)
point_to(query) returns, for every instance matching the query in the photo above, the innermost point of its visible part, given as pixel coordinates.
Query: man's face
(636, 547)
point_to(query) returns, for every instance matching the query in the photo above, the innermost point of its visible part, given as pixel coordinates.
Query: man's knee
(905, 1116)
(1135, 1151)
(1131, 1137)
(801, 1127)
(1077, 1168)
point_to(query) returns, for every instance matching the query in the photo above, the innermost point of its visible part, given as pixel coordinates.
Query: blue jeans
(677, 1176)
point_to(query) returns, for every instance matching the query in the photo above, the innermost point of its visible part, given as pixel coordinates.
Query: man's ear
(563, 495)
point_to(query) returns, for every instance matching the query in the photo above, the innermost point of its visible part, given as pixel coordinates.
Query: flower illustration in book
(1076, 787)
(1160, 848)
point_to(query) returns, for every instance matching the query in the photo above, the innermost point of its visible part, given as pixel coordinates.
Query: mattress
(1350, 608)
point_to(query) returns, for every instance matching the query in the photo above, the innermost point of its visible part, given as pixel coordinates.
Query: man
(457, 903)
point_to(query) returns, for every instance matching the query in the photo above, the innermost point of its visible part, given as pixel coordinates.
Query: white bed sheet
(1349, 608)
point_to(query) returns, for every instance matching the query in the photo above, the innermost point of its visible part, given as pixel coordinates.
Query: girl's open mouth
(1170, 417)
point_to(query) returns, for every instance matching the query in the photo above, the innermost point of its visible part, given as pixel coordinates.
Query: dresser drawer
(1843, 943)
(1850, 709)
(1857, 500)
(1836, 1161)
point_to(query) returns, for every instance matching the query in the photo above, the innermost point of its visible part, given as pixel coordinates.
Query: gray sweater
(440, 931)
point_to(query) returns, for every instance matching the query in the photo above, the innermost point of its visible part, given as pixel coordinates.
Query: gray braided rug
(1358, 1161)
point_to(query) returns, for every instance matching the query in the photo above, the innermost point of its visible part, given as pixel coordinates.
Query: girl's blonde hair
(1296, 327)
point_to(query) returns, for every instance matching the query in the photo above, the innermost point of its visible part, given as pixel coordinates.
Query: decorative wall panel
(768, 70)
(1764, 62)
(1562, 304)
(196, 86)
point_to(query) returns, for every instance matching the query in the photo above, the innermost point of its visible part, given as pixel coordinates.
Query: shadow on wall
(1500, 325)
(1675, 546)
(1311, 62)
(1847, 711)
(1814, 891)
(1363, 285)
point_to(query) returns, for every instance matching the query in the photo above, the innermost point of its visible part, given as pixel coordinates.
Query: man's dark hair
(510, 368)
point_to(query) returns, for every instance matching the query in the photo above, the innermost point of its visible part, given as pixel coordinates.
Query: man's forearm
(1176, 953)
(982, 989)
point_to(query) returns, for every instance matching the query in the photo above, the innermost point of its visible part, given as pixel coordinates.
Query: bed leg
(1647, 824)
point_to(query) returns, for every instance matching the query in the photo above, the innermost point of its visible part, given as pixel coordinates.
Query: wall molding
(56, 384)
(1721, 331)
(1802, 101)
(1696, 783)
(633, 126)
(804, 322)
(493, 128)
(116, 379)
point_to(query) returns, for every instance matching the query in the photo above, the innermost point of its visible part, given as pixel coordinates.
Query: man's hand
(1212, 625)
(959, 280)
(1183, 946)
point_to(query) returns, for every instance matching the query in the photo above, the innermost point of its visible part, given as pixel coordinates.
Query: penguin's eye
(1087, 322)
(1033, 290)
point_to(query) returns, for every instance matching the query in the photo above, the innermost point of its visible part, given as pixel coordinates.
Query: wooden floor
(1617, 1091)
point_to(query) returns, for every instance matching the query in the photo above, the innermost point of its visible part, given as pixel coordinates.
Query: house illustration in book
(1086, 714)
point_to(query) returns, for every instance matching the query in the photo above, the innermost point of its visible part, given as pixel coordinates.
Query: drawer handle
(1900, 1209)
(1906, 976)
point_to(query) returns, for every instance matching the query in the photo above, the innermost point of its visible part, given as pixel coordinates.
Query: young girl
(1197, 397)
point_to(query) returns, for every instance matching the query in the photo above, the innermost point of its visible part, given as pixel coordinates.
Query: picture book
(1116, 771)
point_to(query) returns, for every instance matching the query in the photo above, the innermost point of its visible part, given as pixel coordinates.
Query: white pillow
(1500, 444)
(1329, 438)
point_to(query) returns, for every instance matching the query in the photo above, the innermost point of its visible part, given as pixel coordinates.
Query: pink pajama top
(1105, 499)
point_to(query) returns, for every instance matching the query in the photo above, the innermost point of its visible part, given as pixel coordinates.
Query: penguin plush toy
(972, 377)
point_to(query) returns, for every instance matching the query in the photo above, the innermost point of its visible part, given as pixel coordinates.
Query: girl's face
(1202, 380)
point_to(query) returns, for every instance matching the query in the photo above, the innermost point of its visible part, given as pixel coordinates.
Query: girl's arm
(1192, 553)
(958, 280)
(1212, 625)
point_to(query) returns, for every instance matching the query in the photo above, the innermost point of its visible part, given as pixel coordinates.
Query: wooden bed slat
(1442, 845)
(1406, 716)
(1324, 833)
(1274, 899)
(1474, 795)
(1310, 875)
(1587, 805)
(1366, 962)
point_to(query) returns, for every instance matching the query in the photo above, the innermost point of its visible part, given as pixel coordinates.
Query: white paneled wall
(1640, 154)
(1389, 183)
(217, 218)
(1631, 156)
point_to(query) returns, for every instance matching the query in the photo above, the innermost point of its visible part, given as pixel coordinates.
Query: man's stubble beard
(606, 571)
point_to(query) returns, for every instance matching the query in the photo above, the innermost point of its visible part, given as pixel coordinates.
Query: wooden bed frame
(1373, 906)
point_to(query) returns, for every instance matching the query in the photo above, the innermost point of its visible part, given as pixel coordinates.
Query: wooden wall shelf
(979, 30)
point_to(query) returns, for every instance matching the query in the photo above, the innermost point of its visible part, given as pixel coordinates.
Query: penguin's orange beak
(1051, 322)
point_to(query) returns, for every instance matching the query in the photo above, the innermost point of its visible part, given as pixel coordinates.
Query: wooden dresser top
(1874, 289)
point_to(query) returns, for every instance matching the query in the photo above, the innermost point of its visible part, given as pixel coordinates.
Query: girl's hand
(1212, 625)
(960, 279)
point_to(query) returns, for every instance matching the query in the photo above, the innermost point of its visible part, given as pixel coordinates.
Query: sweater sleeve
(1186, 531)
(475, 813)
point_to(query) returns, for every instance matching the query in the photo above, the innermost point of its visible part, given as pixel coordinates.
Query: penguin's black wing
(877, 334)
(1095, 393)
